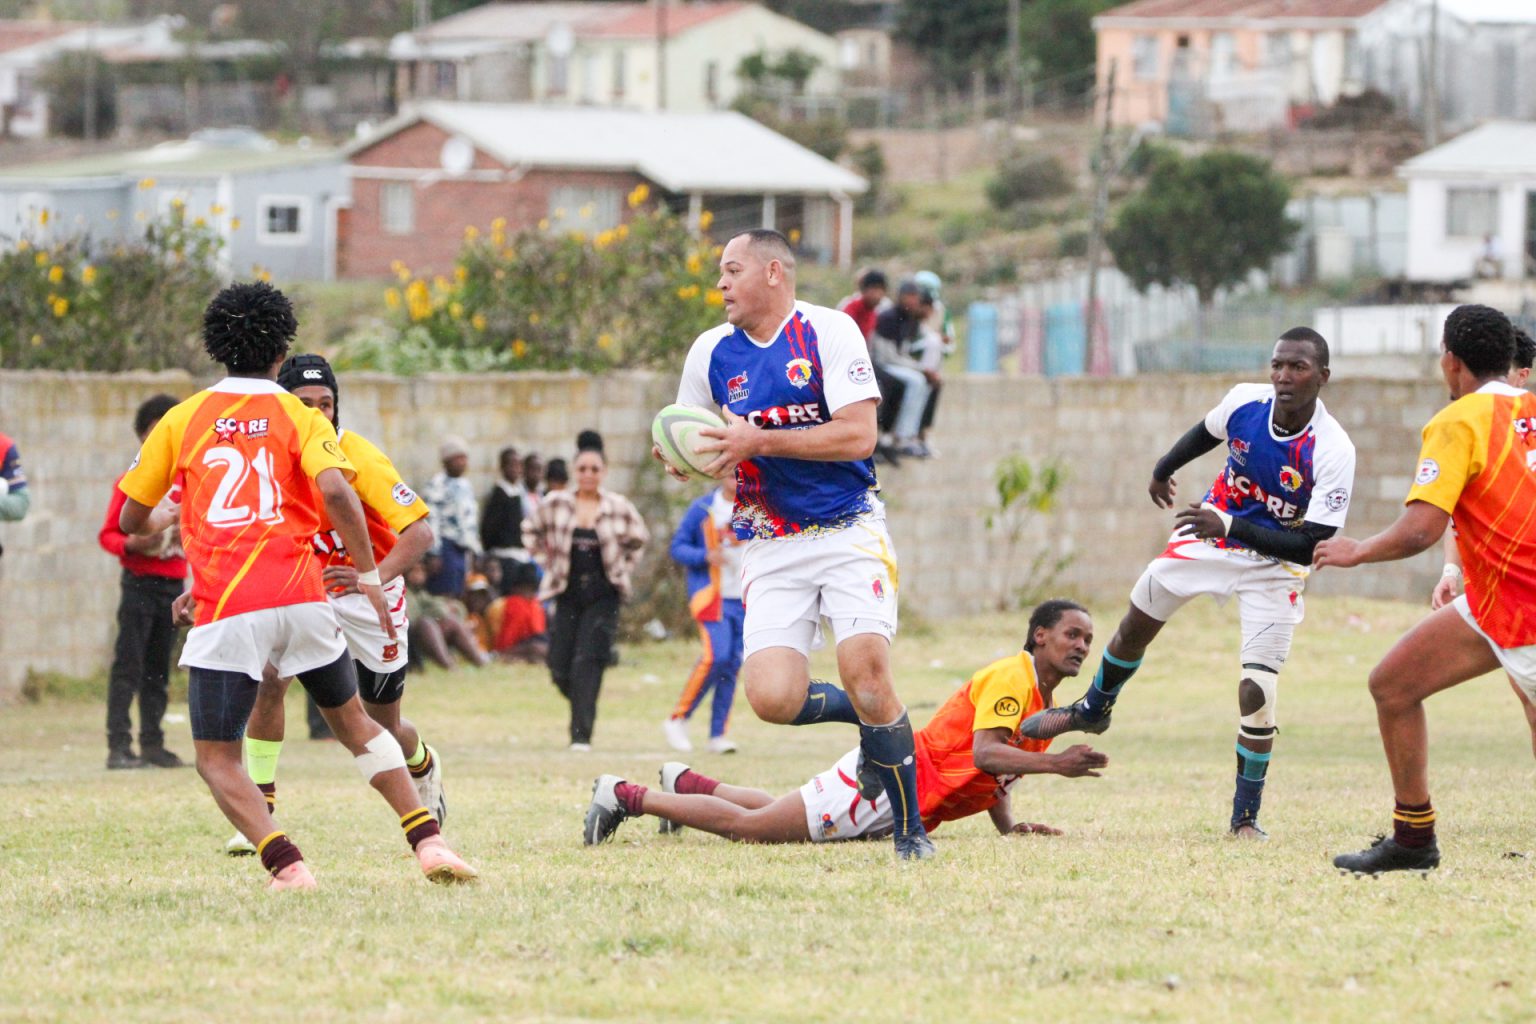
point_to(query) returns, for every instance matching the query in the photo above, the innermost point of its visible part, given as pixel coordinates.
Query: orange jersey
(949, 786)
(389, 506)
(1479, 464)
(244, 453)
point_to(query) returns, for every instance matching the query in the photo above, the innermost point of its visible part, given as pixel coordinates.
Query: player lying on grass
(968, 759)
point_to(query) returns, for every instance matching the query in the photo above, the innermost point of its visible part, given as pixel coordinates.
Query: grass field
(117, 905)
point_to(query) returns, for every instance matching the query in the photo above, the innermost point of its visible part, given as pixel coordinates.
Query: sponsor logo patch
(1290, 478)
(1336, 499)
(861, 372)
(334, 450)
(1240, 450)
(736, 388)
(1429, 472)
(227, 428)
(391, 652)
(878, 587)
(798, 371)
(1006, 707)
(313, 375)
(403, 495)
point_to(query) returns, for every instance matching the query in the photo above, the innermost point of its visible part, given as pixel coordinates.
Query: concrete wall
(58, 591)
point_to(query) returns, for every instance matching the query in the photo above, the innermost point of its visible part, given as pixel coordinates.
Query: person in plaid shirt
(589, 541)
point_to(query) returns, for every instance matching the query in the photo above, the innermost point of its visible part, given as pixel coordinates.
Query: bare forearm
(1005, 760)
(837, 441)
(1403, 539)
(409, 549)
(1001, 814)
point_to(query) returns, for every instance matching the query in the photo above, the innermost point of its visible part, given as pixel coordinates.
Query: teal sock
(1107, 681)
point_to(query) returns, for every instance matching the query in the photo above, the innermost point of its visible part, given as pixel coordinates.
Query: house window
(1471, 212)
(1278, 49)
(1144, 57)
(282, 220)
(585, 208)
(559, 74)
(1223, 53)
(445, 79)
(397, 207)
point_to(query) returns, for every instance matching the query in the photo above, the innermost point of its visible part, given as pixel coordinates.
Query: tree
(957, 36)
(1207, 222)
(1058, 37)
(68, 80)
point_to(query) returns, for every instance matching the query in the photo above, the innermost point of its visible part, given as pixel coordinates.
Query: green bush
(132, 305)
(635, 295)
(1027, 178)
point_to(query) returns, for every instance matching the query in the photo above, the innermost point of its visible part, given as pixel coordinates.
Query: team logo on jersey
(828, 827)
(391, 652)
(798, 371)
(861, 372)
(878, 587)
(1429, 472)
(403, 495)
(1006, 707)
(226, 428)
(1336, 499)
(1290, 478)
(1240, 450)
(736, 388)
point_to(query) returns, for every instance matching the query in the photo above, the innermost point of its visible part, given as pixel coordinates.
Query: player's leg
(381, 694)
(614, 799)
(1528, 707)
(1265, 647)
(1438, 653)
(263, 745)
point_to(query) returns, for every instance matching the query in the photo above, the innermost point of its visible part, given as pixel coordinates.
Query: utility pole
(1099, 361)
(661, 54)
(1432, 82)
(423, 14)
(1015, 59)
(91, 57)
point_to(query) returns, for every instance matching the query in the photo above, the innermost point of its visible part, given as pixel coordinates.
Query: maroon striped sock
(630, 795)
(1413, 825)
(269, 790)
(277, 852)
(419, 825)
(691, 783)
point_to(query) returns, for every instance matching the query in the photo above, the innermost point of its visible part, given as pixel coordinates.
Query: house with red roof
(1196, 67)
(644, 56)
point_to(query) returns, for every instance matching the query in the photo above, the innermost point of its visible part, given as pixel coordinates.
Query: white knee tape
(383, 755)
(1260, 724)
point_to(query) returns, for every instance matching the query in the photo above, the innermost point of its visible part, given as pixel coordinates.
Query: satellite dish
(560, 41)
(458, 155)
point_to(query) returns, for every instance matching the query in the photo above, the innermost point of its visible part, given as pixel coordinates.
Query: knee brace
(383, 754)
(1256, 698)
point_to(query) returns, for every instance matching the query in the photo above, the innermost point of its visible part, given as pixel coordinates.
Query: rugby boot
(1049, 723)
(442, 865)
(915, 846)
(429, 788)
(605, 813)
(1386, 854)
(239, 846)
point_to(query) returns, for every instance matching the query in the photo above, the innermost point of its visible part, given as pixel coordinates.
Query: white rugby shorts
(835, 810)
(1519, 662)
(294, 638)
(789, 583)
(1267, 591)
(365, 638)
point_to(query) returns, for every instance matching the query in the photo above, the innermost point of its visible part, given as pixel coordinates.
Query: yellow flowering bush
(137, 304)
(636, 294)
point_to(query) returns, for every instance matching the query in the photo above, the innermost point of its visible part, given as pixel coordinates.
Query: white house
(1477, 190)
(645, 56)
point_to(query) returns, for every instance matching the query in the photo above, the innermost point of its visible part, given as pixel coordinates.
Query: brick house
(423, 178)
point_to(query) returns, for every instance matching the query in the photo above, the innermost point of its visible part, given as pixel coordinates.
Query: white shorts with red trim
(1519, 662)
(294, 638)
(1267, 591)
(366, 639)
(835, 810)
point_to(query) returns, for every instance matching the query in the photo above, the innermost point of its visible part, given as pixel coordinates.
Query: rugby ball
(676, 431)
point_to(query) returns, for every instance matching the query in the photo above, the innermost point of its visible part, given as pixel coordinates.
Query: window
(282, 220)
(445, 79)
(559, 74)
(397, 207)
(1277, 46)
(1223, 53)
(1144, 57)
(585, 208)
(1471, 212)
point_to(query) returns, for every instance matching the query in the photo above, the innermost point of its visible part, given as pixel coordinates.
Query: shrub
(131, 305)
(632, 296)
(1027, 178)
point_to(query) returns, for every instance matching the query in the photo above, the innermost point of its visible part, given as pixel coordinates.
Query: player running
(968, 759)
(1286, 485)
(400, 536)
(799, 396)
(1478, 464)
(254, 466)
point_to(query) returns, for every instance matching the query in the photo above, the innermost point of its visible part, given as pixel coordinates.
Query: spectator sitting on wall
(510, 628)
(868, 302)
(437, 623)
(455, 519)
(904, 384)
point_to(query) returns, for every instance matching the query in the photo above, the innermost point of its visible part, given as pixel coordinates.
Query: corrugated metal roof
(1495, 150)
(717, 152)
(1244, 9)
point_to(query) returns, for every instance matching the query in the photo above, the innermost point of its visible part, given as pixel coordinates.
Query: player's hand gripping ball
(675, 430)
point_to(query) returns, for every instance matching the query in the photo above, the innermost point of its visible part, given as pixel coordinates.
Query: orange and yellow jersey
(1479, 464)
(949, 785)
(389, 506)
(244, 454)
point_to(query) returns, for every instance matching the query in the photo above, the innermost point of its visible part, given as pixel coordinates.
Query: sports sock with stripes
(1413, 825)
(419, 763)
(825, 702)
(1113, 673)
(277, 851)
(888, 749)
(419, 825)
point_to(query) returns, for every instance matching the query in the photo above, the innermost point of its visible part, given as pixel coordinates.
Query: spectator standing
(705, 545)
(866, 304)
(456, 515)
(154, 572)
(557, 476)
(501, 523)
(589, 540)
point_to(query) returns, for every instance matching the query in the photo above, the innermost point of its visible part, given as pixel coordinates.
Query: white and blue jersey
(815, 364)
(1279, 482)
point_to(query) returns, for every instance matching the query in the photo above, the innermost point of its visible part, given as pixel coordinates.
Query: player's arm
(1420, 525)
(1196, 442)
(1001, 813)
(1451, 576)
(849, 436)
(992, 754)
(1210, 523)
(411, 547)
(140, 520)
